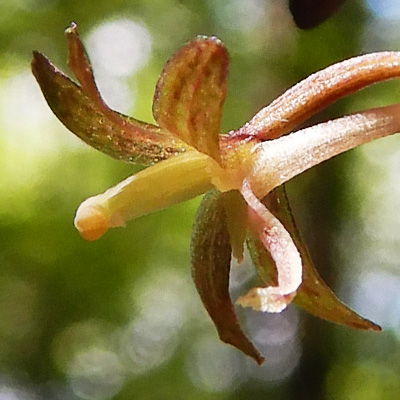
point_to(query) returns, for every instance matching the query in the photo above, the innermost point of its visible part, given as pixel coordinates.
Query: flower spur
(242, 173)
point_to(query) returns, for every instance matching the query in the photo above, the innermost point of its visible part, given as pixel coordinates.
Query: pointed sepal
(211, 256)
(314, 296)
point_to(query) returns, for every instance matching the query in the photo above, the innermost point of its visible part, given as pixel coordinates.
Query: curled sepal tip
(278, 242)
(211, 256)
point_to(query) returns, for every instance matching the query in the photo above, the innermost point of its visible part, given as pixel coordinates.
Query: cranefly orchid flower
(242, 172)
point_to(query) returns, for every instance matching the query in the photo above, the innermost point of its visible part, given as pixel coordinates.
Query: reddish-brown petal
(310, 13)
(319, 90)
(79, 65)
(81, 110)
(314, 296)
(191, 91)
(211, 256)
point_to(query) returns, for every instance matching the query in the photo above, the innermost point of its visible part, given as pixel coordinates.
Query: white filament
(279, 243)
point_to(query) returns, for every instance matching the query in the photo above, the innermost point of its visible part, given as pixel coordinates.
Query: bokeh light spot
(119, 47)
(215, 367)
(96, 374)
(376, 295)
(163, 303)
(240, 15)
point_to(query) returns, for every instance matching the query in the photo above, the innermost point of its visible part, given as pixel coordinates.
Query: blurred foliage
(119, 318)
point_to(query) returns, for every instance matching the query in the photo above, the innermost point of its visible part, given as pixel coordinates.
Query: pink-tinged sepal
(277, 161)
(319, 90)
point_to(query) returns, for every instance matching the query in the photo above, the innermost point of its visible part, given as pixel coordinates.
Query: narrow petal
(79, 64)
(310, 13)
(159, 186)
(313, 295)
(191, 91)
(82, 111)
(211, 256)
(281, 159)
(319, 90)
(280, 245)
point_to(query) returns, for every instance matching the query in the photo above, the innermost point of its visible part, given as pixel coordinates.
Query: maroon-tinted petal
(79, 64)
(318, 91)
(314, 296)
(211, 257)
(82, 111)
(191, 91)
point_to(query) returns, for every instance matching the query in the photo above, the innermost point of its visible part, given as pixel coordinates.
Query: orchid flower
(242, 172)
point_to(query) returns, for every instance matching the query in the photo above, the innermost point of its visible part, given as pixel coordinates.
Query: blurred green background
(120, 318)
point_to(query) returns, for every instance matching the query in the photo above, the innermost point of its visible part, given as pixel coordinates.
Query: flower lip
(91, 222)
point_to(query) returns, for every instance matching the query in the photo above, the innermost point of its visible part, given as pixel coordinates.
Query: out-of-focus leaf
(191, 91)
(310, 13)
(81, 110)
(211, 256)
(314, 296)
